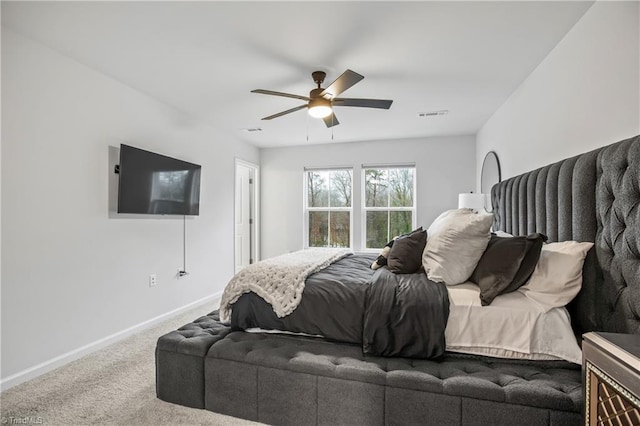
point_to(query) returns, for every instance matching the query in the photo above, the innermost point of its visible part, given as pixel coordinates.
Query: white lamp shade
(473, 201)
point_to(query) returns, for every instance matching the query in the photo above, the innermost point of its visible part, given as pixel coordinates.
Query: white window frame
(364, 209)
(306, 209)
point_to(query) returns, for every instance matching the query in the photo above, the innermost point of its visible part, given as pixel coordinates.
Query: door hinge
(250, 221)
(250, 181)
(250, 261)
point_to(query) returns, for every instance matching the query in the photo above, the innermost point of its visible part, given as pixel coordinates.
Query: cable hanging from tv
(183, 271)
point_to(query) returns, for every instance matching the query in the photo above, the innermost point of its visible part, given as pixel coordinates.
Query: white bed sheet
(513, 326)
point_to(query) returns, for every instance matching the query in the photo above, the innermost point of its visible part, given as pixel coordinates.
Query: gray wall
(445, 166)
(72, 277)
(585, 94)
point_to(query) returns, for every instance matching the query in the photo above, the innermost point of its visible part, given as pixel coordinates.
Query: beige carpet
(114, 386)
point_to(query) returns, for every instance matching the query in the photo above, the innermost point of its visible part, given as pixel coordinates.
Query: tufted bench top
(555, 385)
(195, 338)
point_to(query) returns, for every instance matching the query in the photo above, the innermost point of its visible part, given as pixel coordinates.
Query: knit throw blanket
(278, 280)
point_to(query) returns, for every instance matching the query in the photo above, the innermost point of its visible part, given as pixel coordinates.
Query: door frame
(255, 209)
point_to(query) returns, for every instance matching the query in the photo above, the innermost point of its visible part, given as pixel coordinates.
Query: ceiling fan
(320, 102)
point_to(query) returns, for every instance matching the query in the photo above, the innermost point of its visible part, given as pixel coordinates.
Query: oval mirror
(490, 174)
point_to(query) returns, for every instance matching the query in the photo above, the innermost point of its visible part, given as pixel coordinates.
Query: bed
(295, 379)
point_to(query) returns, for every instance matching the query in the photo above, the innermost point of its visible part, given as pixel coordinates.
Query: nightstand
(611, 374)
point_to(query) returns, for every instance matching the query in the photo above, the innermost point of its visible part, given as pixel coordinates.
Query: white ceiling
(205, 57)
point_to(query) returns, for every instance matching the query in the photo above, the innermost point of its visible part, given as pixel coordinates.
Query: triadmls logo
(26, 420)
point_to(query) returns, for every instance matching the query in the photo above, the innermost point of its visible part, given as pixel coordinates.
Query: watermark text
(26, 420)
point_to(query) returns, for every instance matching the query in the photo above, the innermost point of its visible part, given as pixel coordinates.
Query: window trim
(363, 205)
(306, 209)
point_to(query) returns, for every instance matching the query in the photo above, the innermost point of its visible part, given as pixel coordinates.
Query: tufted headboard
(591, 197)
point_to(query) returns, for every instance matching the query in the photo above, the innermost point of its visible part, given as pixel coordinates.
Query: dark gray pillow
(405, 256)
(506, 265)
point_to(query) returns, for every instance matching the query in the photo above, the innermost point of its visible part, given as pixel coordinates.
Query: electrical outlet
(153, 280)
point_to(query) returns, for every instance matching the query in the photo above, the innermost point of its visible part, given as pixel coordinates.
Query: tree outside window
(389, 204)
(328, 207)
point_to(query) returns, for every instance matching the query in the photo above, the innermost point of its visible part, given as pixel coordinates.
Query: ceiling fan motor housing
(315, 93)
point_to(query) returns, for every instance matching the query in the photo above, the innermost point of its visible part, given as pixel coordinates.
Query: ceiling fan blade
(331, 120)
(286, 95)
(280, 114)
(342, 83)
(366, 103)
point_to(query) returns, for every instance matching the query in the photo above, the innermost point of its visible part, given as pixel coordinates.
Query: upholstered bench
(180, 360)
(280, 379)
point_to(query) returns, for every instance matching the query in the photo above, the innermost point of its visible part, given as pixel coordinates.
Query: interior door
(243, 216)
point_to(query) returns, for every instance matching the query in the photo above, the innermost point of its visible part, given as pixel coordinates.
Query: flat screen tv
(151, 183)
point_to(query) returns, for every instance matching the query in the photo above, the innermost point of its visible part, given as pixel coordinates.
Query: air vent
(433, 113)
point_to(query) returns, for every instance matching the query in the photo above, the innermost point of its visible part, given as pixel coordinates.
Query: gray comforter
(388, 314)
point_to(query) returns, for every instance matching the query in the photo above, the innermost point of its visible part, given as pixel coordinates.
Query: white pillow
(455, 243)
(557, 278)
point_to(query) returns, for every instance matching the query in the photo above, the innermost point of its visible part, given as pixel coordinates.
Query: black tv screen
(151, 183)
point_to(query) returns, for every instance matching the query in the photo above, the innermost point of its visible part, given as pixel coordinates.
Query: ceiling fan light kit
(320, 102)
(320, 107)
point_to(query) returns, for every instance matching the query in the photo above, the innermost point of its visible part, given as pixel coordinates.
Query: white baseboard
(59, 361)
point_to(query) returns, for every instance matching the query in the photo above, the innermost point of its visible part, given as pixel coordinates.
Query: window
(328, 207)
(389, 203)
